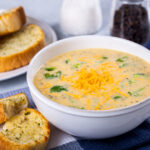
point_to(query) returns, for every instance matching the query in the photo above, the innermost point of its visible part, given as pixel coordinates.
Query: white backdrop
(48, 10)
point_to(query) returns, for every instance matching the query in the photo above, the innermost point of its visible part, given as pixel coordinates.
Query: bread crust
(12, 20)
(22, 58)
(3, 116)
(6, 144)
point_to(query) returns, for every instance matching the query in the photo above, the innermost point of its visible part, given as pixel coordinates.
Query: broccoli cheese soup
(94, 79)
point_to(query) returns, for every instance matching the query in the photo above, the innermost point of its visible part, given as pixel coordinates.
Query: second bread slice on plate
(17, 49)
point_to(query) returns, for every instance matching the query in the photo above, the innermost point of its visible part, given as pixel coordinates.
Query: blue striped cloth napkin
(137, 139)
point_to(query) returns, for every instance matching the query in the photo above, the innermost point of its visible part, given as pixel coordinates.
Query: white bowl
(84, 123)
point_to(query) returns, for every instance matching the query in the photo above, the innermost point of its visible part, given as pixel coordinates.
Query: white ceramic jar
(78, 17)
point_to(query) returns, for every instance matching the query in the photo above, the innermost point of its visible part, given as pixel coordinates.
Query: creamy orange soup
(94, 79)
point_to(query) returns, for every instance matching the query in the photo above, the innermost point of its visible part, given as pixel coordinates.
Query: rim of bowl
(83, 112)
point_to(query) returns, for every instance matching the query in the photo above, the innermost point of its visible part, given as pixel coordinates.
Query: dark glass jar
(130, 20)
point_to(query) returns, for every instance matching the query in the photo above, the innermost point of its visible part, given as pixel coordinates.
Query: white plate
(50, 37)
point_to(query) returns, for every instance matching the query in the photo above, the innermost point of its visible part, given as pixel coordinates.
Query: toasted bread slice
(12, 20)
(17, 49)
(12, 105)
(29, 130)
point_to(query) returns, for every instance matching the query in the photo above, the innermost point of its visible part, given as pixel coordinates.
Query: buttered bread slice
(29, 130)
(17, 49)
(12, 20)
(12, 105)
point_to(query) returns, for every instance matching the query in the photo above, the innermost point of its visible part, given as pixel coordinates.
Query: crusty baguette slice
(12, 105)
(12, 20)
(17, 49)
(29, 130)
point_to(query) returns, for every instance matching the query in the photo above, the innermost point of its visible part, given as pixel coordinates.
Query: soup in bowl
(99, 83)
(94, 79)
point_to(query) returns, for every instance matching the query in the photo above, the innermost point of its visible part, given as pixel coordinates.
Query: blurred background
(49, 10)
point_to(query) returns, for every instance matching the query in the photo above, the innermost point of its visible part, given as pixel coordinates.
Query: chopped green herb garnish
(81, 108)
(57, 88)
(139, 90)
(50, 76)
(50, 69)
(58, 73)
(131, 81)
(139, 74)
(117, 97)
(77, 107)
(123, 65)
(67, 61)
(76, 65)
(71, 100)
(104, 57)
(136, 93)
(125, 57)
(122, 59)
(130, 93)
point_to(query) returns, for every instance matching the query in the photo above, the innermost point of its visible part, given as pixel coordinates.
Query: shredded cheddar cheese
(88, 104)
(97, 82)
(69, 57)
(86, 60)
(98, 106)
(97, 56)
(107, 108)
